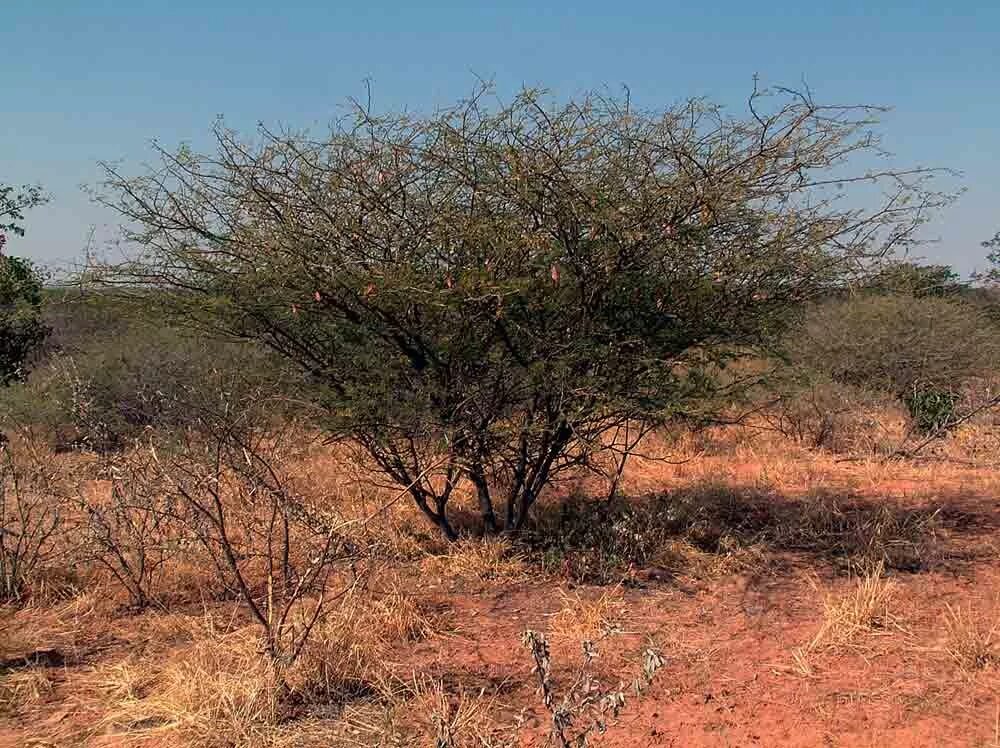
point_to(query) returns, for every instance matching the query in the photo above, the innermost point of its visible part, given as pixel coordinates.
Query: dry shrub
(220, 688)
(972, 640)
(583, 705)
(398, 616)
(580, 619)
(838, 417)
(346, 657)
(422, 713)
(863, 609)
(133, 529)
(848, 617)
(32, 517)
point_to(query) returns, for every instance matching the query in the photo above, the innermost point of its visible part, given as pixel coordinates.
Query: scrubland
(787, 596)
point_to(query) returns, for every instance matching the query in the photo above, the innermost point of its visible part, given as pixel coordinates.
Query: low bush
(920, 349)
(104, 392)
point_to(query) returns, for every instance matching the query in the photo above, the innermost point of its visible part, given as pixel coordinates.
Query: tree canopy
(21, 327)
(491, 295)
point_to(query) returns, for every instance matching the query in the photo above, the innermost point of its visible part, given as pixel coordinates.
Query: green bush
(492, 294)
(921, 350)
(103, 391)
(932, 409)
(22, 329)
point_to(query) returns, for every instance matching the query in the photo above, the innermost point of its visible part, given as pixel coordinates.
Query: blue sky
(83, 81)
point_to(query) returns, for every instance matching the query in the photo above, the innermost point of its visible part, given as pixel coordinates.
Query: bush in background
(22, 329)
(920, 349)
(112, 371)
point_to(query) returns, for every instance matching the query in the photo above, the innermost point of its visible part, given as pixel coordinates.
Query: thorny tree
(488, 296)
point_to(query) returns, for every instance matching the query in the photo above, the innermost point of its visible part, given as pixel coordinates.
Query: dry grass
(71, 627)
(582, 619)
(492, 560)
(848, 618)
(399, 616)
(181, 677)
(454, 720)
(972, 640)
(20, 690)
(865, 608)
(217, 692)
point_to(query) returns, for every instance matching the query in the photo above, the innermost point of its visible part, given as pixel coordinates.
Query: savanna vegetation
(514, 424)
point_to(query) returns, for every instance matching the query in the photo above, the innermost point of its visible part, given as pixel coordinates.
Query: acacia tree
(13, 202)
(494, 294)
(21, 326)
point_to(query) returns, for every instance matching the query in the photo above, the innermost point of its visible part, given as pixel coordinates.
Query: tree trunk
(485, 501)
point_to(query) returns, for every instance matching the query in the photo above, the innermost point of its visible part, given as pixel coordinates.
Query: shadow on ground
(709, 529)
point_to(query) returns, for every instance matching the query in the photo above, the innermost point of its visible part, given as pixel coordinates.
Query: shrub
(491, 295)
(821, 413)
(132, 531)
(31, 517)
(22, 330)
(919, 349)
(102, 391)
(272, 548)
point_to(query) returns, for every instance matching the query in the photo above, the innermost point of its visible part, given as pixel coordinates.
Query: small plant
(866, 607)
(580, 619)
(972, 642)
(31, 517)
(133, 532)
(932, 409)
(586, 705)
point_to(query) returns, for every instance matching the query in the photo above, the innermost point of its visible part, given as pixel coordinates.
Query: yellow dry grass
(849, 617)
(20, 690)
(492, 560)
(217, 692)
(586, 619)
(972, 639)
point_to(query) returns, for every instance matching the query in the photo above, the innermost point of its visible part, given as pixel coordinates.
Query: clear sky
(89, 80)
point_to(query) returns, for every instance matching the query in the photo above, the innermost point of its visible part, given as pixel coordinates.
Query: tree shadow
(711, 529)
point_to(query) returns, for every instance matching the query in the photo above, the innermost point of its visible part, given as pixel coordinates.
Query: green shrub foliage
(489, 294)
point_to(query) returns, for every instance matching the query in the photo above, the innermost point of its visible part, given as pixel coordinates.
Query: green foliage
(914, 279)
(932, 409)
(13, 203)
(22, 329)
(492, 296)
(919, 349)
(993, 274)
(119, 370)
